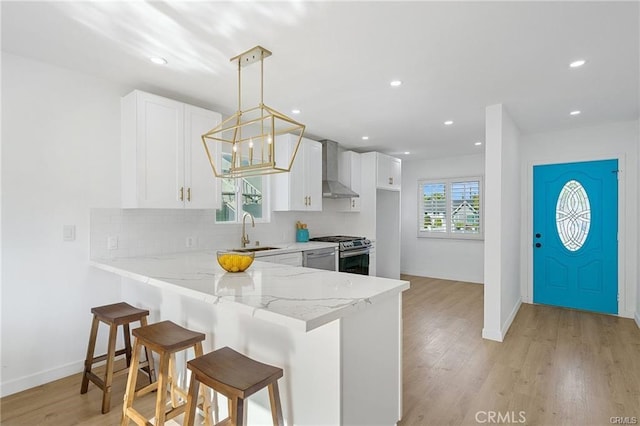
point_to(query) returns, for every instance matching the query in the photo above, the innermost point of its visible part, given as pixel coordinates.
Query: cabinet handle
(182, 193)
(309, 199)
(390, 181)
(188, 194)
(306, 201)
(353, 202)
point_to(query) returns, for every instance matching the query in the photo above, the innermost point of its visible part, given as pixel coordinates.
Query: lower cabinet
(291, 259)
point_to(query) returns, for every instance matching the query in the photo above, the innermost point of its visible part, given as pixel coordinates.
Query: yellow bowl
(233, 261)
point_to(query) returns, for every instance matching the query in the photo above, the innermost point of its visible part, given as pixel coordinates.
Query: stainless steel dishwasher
(323, 258)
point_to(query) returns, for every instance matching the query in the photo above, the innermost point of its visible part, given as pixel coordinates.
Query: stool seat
(166, 336)
(114, 315)
(237, 377)
(233, 373)
(119, 313)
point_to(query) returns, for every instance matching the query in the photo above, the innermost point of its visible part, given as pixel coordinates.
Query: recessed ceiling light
(365, 138)
(407, 153)
(478, 143)
(395, 83)
(448, 123)
(575, 112)
(158, 60)
(295, 111)
(578, 63)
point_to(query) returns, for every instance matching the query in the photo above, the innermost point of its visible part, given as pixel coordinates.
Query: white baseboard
(510, 318)
(26, 382)
(495, 335)
(498, 335)
(637, 318)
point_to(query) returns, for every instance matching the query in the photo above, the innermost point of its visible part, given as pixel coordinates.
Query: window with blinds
(450, 208)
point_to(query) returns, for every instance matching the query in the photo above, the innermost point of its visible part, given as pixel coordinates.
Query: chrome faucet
(245, 237)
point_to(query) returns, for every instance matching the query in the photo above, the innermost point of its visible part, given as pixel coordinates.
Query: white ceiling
(334, 61)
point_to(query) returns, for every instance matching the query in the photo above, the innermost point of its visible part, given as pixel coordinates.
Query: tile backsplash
(145, 232)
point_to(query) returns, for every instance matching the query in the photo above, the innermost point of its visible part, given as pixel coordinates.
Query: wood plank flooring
(557, 366)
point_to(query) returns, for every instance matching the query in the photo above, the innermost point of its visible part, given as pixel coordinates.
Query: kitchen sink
(254, 249)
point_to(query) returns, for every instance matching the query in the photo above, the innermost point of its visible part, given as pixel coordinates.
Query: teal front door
(575, 235)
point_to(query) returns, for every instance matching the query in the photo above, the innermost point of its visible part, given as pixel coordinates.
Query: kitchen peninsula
(337, 336)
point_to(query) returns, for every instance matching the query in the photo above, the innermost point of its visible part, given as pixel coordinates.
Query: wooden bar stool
(237, 377)
(166, 339)
(113, 315)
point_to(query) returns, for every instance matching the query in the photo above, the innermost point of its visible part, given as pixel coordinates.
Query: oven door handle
(354, 253)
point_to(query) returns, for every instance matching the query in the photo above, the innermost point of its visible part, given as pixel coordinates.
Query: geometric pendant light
(250, 136)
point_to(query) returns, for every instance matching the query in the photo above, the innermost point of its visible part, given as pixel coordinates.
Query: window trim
(266, 203)
(448, 234)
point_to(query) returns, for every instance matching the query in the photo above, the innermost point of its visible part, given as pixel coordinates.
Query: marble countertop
(299, 298)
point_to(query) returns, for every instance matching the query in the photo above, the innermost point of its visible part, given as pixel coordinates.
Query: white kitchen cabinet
(291, 259)
(164, 164)
(301, 188)
(389, 172)
(380, 219)
(349, 174)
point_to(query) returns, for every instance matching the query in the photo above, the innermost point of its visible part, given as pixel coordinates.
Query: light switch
(112, 243)
(68, 232)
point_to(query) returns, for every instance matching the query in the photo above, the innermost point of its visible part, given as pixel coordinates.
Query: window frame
(448, 234)
(266, 209)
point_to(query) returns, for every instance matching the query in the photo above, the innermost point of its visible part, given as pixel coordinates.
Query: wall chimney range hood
(331, 187)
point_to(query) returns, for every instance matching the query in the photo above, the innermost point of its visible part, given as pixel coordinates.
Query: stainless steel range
(353, 253)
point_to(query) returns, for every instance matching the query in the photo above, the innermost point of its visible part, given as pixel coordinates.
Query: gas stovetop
(345, 242)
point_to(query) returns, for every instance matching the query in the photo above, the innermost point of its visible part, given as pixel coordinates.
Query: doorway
(575, 235)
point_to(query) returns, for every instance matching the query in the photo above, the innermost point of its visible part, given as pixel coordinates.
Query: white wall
(438, 257)
(60, 137)
(61, 166)
(502, 223)
(616, 140)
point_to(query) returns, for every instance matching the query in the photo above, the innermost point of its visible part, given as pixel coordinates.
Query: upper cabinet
(301, 188)
(389, 172)
(349, 175)
(164, 164)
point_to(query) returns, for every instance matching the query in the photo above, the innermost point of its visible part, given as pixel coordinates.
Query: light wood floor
(558, 366)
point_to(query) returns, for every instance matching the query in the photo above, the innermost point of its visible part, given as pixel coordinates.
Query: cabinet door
(301, 188)
(389, 170)
(396, 173)
(350, 175)
(201, 186)
(298, 197)
(159, 153)
(313, 174)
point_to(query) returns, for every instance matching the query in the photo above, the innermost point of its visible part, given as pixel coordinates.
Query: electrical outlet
(112, 243)
(190, 242)
(68, 232)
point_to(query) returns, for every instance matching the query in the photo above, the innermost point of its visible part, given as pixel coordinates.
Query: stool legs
(104, 383)
(276, 407)
(166, 378)
(88, 362)
(130, 391)
(108, 378)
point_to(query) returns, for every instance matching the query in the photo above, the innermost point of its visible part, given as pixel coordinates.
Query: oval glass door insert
(573, 215)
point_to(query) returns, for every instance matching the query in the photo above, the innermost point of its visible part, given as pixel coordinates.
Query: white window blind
(450, 208)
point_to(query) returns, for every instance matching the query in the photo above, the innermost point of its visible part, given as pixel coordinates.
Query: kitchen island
(337, 336)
